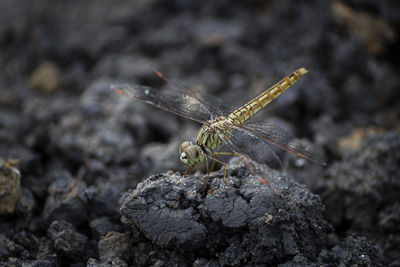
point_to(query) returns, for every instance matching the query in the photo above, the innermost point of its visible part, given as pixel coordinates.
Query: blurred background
(59, 118)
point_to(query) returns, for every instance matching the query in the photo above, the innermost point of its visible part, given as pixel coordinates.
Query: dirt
(94, 180)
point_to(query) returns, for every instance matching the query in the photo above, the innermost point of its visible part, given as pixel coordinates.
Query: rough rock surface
(363, 192)
(66, 240)
(246, 221)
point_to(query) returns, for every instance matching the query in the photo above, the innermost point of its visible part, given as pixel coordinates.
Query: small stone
(66, 239)
(45, 78)
(10, 187)
(115, 245)
(66, 201)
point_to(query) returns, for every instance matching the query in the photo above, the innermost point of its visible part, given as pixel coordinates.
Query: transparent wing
(179, 102)
(247, 144)
(260, 141)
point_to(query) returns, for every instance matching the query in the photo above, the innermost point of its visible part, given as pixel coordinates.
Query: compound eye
(184, 146)
(192, 153)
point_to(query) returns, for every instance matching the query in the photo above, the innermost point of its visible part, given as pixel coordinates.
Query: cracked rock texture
(248, 222)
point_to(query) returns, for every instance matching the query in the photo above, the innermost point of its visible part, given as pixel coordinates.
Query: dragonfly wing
(258, 140)
(174, 101)
(252, 147)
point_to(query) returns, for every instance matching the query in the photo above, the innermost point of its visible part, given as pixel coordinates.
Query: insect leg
(213, 163)
(243, 158)
(188, 170)
(221, 162)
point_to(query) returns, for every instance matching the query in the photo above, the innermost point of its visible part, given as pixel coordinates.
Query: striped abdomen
(241, 115)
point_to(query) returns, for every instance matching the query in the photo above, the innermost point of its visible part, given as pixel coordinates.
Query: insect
(249, 141)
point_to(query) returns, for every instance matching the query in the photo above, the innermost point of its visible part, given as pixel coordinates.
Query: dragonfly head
(191, 154)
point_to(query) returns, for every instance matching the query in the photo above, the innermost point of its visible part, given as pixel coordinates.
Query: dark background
(60, 119)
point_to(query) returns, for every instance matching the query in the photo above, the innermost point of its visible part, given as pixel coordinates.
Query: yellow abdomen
(208, 137)
(241, 115)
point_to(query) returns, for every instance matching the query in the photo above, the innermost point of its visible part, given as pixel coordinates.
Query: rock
(66, 201)
(90, 130)
(113, 245)
(9, 248)
(299, 260)
(66, 239)
(352, 142)
(353, 251)
(27, 240)
(26, 203)
(83, 149)
(38, 263)
(46, 251)
(362, 190)
(115, 262)
(10, 186)
(46, 78)
(203, 262)
(11, 262)
(163, 157)
(248, 222)
(102, 225)
(373, 31)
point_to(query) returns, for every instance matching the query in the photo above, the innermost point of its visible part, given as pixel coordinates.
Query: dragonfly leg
(243, 158)
(188, 170)
(213, 163)
(209, 170)
(208, 173)
(221, 162)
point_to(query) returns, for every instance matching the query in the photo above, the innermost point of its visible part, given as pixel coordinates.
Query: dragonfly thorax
(214, 133)
(191, 154)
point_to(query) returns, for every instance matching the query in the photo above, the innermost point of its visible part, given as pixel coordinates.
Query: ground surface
(93, 186)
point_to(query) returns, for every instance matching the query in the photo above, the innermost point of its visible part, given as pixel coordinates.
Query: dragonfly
(252, 142)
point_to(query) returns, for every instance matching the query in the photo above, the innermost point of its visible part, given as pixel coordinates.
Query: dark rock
(113, 245)
(12, 262)
(38, 263)
(88, 131)
(101, 226)
(364, 183)
(66, 201)
(141, 257)
(107, 186)
(26, 203)
(9, 248)
(46, 251)
(104, 197)
(299, 260)
(248, 222)
(83, 149)
(67, 240)
(353, 251)
(13, 126)
(163, 157)
(203, 262)
(27, 240)
(350, 252)
(115, 262)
